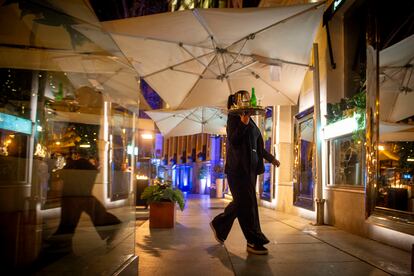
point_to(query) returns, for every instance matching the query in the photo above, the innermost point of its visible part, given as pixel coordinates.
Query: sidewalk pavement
(296, 248)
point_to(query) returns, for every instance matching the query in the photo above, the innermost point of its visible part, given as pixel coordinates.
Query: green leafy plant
(219, 171)
(161, 191)
(348, 107)
(203, 172)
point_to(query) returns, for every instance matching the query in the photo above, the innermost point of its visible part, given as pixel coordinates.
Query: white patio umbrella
(198, 57)
(397, 81)
(190, 121)
(396, 91)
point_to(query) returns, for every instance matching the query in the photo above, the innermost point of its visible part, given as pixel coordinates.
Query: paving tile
(297, 247)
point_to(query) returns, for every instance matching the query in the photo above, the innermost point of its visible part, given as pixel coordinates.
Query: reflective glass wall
(390, 116)
(68, 105)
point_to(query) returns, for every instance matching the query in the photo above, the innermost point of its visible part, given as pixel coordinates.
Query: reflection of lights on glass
(57, 143)
(84, 146)
(410, 159)
(39, 128)
(381, 147)
(147, 136)
(40, 151)
(141, 176)
(129, 149)
(123, 130)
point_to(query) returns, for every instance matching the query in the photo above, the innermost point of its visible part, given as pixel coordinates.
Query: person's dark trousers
(72, 208)
(244, 208)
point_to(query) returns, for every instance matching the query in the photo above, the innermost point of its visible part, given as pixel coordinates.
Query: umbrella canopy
(198, 57)
(396, 91)
(190, 121)
(397, 81)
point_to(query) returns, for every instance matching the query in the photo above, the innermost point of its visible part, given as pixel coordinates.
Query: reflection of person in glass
(78, 177)
(245, 153)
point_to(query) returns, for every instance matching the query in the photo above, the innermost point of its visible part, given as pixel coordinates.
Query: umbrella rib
(202, 22)
(159, 39)
(238, 54)
(197, 58)
(252, 35)
(190, 119)
(212, 116)
(183, 71)
(195, 83)
(175, 65)
(224, 64)
(274, 88)
(168, 117)
(245, 66)
(262, 59)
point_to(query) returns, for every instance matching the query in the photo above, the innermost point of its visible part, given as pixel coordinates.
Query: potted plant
(162, 198)
(202, 178)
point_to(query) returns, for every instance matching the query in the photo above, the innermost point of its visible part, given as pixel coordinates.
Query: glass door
(304, 161)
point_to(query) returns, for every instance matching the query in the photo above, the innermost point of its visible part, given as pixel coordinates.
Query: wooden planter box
(162, 215)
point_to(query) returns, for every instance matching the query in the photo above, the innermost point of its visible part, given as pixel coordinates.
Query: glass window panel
(346, 161)
(304, 163)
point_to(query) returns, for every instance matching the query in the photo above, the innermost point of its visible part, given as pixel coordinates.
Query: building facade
(365, 135)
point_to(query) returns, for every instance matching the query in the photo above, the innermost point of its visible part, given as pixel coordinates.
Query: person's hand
(245, 117)
(276, 162)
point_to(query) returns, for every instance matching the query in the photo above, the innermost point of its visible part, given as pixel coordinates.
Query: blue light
(407, 176)
(14, 123)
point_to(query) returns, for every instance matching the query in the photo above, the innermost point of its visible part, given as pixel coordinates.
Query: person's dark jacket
(240, 159)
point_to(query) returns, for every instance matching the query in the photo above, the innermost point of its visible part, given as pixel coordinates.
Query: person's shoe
(218, 239)
(257, 249)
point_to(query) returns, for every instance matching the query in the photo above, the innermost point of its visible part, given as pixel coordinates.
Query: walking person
(244, 161)
(79, 176)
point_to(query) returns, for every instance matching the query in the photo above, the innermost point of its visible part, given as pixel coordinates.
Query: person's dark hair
(231, 100)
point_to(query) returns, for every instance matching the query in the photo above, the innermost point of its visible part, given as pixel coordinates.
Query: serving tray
(259, 110)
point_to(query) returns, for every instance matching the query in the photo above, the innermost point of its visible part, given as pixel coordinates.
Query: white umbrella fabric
(396, 91)
(397, 81)
(198, 57)
(190, 121)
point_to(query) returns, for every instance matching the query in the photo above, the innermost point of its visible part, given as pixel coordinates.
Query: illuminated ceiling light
(381, 147)
(57, 143)
(84, 146)
(410, 159)
(147, 136)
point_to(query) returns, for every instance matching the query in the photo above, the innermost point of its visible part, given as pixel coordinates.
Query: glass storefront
(390, 133)
(68, 105)
(303, 179)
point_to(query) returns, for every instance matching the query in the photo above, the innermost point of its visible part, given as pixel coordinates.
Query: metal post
(317, 120)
